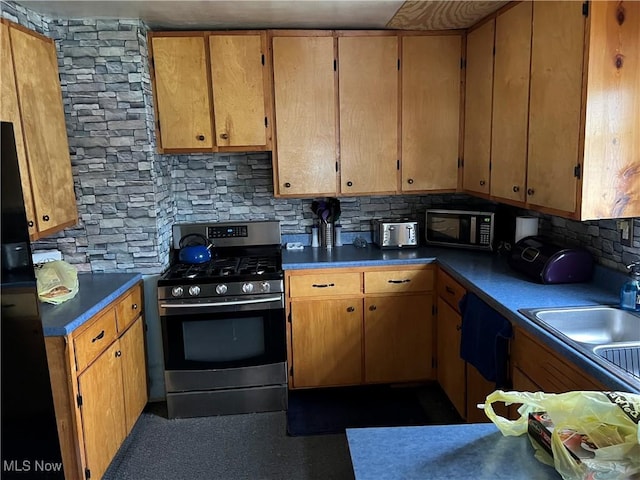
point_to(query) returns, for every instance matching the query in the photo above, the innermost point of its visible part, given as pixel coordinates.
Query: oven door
(234, 333)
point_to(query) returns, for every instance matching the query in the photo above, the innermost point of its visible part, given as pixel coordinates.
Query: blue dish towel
(484, 340)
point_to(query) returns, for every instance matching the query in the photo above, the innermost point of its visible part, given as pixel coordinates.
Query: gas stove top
(231, 268)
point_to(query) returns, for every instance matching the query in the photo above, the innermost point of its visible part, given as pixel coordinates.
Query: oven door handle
(222, 304)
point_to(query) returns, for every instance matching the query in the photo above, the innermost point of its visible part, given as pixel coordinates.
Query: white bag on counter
(56, 281)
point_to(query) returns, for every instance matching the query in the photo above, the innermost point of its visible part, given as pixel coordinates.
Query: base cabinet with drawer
(99, 385)
(360, 326)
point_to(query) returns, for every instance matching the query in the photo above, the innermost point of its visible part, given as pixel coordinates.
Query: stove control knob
(221, 289)
(194, 290)
(177, 291)
(265, 287)
(247, 287)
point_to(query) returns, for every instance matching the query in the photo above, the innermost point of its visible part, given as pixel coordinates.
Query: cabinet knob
(134, 306)
(200, 137)
(530, 191)
(349, 184)
(410, 181)
(372, 307)
(458, 327)
(30, 223)
(350, 309)
(118, 353)
(516, 188)
(287, 185)
(45, 218)
(224, 136)
(482, 182)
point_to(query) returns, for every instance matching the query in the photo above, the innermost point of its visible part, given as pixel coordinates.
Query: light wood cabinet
(212, 91)
(430, 112)
(305, 88)
(511, 104)
(99, 385)
(368, 100)
(354, 326)
(32, 101)
(535, 365)
(477, 111)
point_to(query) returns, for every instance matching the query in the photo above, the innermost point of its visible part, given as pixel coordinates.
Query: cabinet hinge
(153, 63)
(262, 59)
(289, 318)
(494, 50)
(79, 400)
(434, 309)
(463, 63)
(291, 371)
(460, 162)
(585, 9)
(336, 166)
(335, 65)
(489, 165)
(87, 473)
(158, 124)
(398, 64)
(398, 165)
(577, 171)
(266, 122)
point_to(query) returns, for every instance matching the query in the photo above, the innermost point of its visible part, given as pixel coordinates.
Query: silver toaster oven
(395, 233)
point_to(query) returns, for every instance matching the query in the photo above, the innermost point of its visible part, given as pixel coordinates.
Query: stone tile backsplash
(129, 196)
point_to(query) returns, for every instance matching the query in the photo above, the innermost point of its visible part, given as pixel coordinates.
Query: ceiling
(306, 14)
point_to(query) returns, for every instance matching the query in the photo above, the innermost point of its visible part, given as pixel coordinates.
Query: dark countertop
(490, 277)
(96, 291)
(444, 452)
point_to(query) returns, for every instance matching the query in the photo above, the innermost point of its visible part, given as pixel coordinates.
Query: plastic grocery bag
(56, 281)
(609, 420)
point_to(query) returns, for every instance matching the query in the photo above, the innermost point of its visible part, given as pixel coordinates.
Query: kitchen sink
(609, 335)
(590, 325)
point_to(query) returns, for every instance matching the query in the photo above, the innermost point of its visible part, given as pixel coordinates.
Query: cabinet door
(430, 112)
(326, 342)
(477, 112)
(9, 112)
(44, 129)
(451, 368)
(102, 410)
(398, 338)
(134, 373)
(555, 101)
(238, 81)
(305, 115)
(511, 103)
(183, 107)
(368, 78)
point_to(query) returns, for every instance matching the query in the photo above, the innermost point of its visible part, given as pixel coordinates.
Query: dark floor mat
(332, 410)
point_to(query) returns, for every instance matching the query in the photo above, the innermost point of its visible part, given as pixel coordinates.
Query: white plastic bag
(56, 281)
(609, 419)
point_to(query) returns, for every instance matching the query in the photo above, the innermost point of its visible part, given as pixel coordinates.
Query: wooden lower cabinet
(326, 342)
(360, 326)
(99, 384)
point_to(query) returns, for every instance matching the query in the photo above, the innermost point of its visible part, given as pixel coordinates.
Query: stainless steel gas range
(223, 322)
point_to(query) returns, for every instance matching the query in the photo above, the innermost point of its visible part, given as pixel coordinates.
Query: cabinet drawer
(324, 284)
(95, 339)
(450, 290)
(128, 309)
(398, 281)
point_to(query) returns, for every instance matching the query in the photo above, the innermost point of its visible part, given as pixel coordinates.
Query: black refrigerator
(29, 440)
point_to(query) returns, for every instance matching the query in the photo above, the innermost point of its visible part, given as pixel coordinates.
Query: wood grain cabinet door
(44, 130)
(398, 338)
(134, 373)
(368, 78)
(326, 342)
(430, 112)
(238, 81)
(183, 106)
(306, 144)
(10, 112)
(555, 103)
(511, 103)
(451, 368)
(102, 410)
(477, 116)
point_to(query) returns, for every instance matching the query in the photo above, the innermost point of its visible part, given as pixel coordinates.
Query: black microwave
(460, 228)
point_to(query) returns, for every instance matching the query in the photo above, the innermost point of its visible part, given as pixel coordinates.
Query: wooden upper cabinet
(10, 112)
(44, 132)
(430, 112)
(239, 82)
(368, 79)
(511, 103)
(478, 103)
(182, 106)
(555, 102)
(305, 155)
